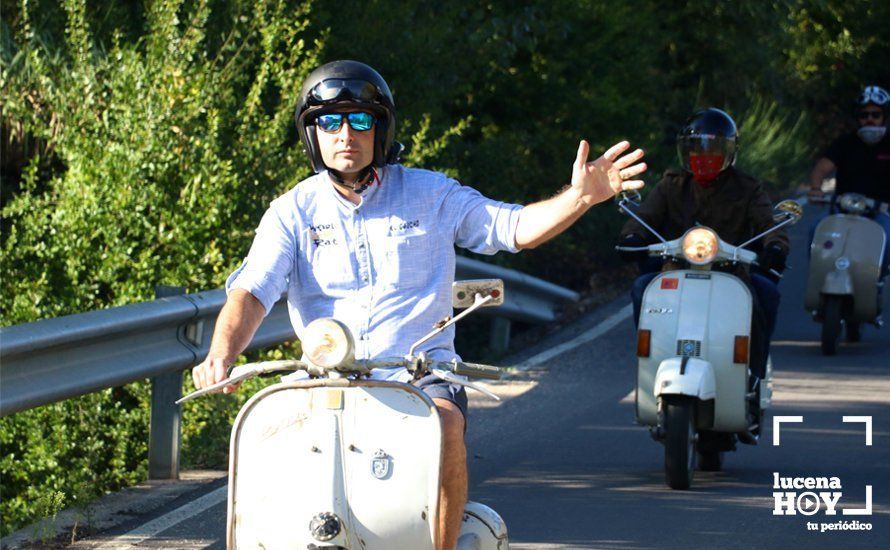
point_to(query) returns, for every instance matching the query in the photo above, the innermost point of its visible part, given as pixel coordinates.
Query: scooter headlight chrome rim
(853, 203)
(328, 344)
(700, 245)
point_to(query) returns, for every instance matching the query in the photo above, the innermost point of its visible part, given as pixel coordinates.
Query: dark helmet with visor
(707, 144)
(346, 84)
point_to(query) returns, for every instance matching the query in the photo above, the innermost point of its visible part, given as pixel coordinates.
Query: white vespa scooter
(693, 346)
(341, 462)
(844, 281)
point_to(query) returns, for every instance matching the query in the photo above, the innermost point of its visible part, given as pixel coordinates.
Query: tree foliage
(143, 139)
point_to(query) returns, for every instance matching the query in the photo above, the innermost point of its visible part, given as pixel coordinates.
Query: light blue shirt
(384, 267)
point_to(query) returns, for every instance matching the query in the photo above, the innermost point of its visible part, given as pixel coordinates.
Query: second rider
(709, 190)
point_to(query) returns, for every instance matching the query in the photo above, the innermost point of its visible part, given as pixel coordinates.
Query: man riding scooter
(860, 160)
(850, 251)
(710, 191)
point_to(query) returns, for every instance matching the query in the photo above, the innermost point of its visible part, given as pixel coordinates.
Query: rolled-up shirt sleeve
(267, 267)
(482, 225)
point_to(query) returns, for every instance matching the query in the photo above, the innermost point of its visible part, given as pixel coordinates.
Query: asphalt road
(564, 464)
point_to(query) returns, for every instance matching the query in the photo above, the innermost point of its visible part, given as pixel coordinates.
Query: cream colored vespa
(693, 347)
(339, 461)
(843, 287)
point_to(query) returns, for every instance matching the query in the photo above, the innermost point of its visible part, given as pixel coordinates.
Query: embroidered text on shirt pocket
(408, 262)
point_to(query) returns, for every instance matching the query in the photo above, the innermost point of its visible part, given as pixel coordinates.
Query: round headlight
(327, 343)
(853, 203)
(700, 246)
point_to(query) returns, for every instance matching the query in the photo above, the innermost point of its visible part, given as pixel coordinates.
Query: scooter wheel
(831, 324)
(854, 332)
(679, 441)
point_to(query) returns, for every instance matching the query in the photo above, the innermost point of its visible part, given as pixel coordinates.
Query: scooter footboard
(367, 452)
(482, 529)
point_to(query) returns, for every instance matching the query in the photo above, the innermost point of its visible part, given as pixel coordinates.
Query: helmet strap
(365, 177)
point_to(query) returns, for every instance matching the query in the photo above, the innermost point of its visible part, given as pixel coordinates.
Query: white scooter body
(693, 350)
(343, 462)
(682, 309)
(367, 451)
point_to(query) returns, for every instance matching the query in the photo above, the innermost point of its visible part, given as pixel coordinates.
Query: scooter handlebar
(475, 370)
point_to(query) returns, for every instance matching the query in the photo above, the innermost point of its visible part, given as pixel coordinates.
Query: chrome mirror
(788, 210)
(631, 196)
(463, 293)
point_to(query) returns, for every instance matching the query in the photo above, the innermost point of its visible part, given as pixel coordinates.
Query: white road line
(168, 520)
(605, 326)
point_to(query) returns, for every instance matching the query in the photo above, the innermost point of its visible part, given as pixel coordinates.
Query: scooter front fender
(685, 376)
(838, 283)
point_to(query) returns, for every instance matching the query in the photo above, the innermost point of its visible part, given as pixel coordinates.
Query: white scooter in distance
(693, 344)
(341, 462)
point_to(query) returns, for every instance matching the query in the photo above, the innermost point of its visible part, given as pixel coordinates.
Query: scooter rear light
(827, 245)
(644, 338)
(740, 350)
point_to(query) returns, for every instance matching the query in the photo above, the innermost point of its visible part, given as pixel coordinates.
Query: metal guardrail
(57, 359)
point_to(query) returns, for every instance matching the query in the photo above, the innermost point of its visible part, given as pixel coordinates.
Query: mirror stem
(479, 301)
(631, 213)
(770, 230)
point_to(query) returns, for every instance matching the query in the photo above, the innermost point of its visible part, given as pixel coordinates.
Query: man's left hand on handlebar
(211, 371)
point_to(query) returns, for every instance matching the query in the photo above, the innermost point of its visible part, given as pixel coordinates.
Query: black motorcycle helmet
(347, 83)
(707, 144)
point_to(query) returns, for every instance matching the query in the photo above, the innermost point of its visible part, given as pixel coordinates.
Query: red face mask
(705, 168)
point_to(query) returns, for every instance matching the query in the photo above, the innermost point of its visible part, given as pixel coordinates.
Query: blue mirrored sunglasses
(359, 121)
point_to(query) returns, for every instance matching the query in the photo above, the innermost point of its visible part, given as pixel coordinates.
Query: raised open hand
(609, 174)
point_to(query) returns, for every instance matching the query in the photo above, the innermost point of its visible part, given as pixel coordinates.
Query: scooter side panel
(676, 307)
(300, 451)
(861, 241)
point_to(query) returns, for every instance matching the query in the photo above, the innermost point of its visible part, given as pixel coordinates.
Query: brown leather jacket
(735, 205)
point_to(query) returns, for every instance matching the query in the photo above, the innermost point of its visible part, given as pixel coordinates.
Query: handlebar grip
(475, 370)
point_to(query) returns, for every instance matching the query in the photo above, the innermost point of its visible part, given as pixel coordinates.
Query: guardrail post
(164, 436)
(500, 334)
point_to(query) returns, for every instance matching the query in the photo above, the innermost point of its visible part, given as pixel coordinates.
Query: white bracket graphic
(778, 420)
(865, 420)
(861, 511)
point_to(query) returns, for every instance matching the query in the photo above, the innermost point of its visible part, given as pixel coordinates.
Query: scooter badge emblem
(380, 465)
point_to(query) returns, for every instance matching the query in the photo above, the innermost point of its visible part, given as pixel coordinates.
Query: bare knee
(453, 424)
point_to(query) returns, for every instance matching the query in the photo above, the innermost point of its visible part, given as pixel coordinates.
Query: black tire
(854, 331)
(831, 324)
(679, 441)
(710, 461)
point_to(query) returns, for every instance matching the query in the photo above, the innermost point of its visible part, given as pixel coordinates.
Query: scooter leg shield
(685, 376)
